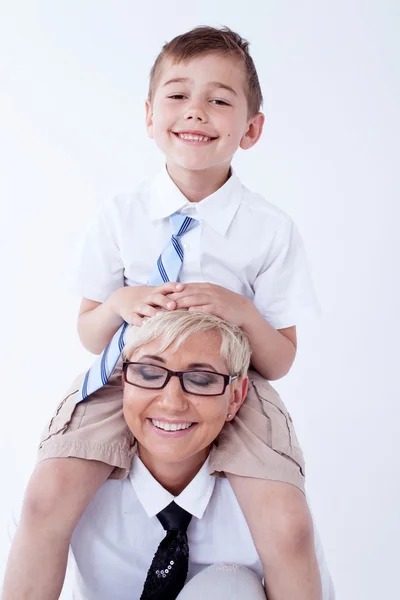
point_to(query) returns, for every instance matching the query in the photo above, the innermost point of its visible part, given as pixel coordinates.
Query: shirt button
(186, 246)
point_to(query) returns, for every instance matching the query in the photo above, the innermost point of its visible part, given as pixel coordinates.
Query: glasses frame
(227, 378)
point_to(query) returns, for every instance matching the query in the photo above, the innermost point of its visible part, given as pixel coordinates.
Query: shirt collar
(154, 498)
(217, 210)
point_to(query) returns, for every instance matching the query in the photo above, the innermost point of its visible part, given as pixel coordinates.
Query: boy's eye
(176, 96)
(219, 102)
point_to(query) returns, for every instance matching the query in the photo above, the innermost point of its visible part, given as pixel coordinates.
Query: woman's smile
(172, 429)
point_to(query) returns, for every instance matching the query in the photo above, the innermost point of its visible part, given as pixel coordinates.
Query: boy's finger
(170, 287)
(162, 301)
(195, 300)
(146, 310)
(207, 308)
(134, 319)
(176, 296)
(213, 309)
(184, 294)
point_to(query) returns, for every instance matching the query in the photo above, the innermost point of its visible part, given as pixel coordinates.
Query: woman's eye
(149, 374)
(150, 377)
(201, 380)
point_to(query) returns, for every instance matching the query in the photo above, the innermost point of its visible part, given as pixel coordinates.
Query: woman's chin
(172, 451)
(173, 446)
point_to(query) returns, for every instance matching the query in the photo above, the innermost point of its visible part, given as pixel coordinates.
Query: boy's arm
(97, 322)
(273, 351)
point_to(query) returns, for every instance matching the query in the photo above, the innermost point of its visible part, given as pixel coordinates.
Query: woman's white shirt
(116, 538)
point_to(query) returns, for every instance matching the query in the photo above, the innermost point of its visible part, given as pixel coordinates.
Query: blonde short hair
(174, 327)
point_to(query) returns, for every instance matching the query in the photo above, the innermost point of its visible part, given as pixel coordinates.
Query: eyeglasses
(153, 377)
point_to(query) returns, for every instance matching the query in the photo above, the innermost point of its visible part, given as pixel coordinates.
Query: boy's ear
(149, 118)
(253, 133)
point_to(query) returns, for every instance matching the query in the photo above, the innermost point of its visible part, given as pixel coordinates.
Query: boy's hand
(134, 303)
(215, 299)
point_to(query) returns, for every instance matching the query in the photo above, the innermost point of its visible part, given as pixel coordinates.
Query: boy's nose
(196, 113)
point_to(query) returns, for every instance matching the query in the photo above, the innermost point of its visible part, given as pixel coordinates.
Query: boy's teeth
(194, 138)
(170, 426)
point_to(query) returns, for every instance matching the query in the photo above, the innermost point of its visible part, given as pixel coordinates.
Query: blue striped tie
(167, 268)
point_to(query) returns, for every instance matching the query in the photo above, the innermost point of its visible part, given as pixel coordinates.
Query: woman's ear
(238, 395)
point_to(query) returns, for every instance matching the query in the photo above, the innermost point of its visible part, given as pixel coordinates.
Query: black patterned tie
(168, 571)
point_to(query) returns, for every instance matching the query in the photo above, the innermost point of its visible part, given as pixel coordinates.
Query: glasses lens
(148, 376)
(203, 383)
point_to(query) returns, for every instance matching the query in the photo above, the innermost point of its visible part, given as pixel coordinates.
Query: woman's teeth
(170, 426)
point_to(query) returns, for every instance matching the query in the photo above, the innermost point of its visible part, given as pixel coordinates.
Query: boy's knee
(49, 496)
(43, 492)
(294, 532)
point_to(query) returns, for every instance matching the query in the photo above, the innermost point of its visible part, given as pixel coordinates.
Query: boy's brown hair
(203, 40)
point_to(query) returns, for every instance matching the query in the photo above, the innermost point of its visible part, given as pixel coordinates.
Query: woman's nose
(173, 398)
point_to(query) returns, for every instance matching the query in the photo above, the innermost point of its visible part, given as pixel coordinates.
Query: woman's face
(151, 413)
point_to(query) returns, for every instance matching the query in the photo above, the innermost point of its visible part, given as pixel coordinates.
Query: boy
(243, 261)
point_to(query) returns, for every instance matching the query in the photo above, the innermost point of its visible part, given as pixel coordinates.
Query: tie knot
(174, 518)
(180, 224)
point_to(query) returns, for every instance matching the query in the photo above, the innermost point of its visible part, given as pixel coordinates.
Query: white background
(73, 79)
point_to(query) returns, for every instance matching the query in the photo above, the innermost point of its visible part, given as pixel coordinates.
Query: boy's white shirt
(243, 243)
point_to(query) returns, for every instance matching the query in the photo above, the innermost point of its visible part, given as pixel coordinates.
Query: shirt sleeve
(99, 270)
(283, 290)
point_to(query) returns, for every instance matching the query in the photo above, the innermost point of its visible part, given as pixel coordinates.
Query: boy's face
(199, 113)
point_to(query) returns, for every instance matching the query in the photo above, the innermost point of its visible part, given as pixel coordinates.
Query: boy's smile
(199, 115)
(195, 137)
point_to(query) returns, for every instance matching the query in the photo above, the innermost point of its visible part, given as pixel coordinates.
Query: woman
(185, 376)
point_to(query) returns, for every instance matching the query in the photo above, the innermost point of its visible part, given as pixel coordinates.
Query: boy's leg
(259, 453)
(57, 494)
(63, 484)
(281, 526)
